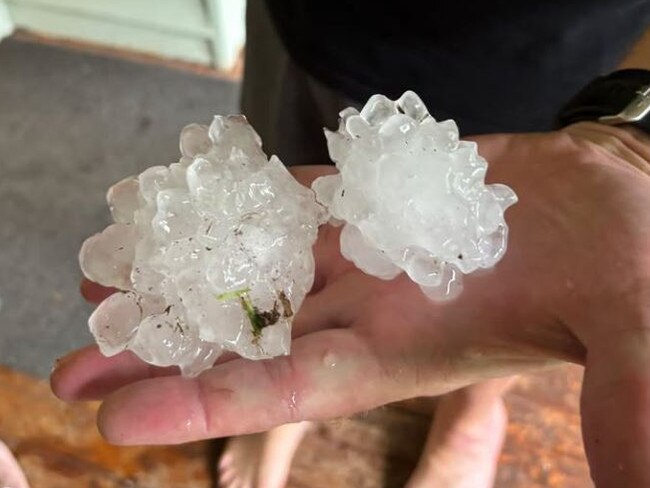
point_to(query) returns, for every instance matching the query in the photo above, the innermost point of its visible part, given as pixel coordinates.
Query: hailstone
(411, 196)
(211, 253)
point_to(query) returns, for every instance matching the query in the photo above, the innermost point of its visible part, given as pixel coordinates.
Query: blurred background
(77, 116)
(92, 91)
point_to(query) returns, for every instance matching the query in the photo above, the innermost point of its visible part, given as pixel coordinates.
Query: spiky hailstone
(412, 196)
(211, 253)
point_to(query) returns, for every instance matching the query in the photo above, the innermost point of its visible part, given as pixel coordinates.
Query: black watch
(622, 97)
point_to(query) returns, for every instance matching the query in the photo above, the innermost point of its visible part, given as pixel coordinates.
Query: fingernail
(60, 361)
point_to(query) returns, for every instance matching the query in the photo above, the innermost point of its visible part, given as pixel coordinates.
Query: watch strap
(617, 98)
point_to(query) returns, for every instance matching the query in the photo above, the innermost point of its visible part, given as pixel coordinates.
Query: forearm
(616, 391)
(639, 56)
(615, 405)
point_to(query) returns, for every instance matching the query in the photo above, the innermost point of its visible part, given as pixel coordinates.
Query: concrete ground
(71, 124)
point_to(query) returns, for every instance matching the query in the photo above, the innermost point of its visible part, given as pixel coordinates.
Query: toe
(227, 476)
(225, 460)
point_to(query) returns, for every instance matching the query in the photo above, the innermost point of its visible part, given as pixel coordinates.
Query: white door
(209, 32)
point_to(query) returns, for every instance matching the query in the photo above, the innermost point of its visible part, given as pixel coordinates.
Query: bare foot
(11, 475)
(261, 460)
(465, 440)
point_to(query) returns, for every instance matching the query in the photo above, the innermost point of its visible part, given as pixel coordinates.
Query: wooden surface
(58, 444)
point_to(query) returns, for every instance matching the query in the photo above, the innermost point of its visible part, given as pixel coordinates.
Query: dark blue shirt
(499, 65)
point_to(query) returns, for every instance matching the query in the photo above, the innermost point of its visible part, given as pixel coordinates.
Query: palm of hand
(579, 239)
(573, 286)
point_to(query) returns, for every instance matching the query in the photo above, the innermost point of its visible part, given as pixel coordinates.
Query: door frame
(6, 25)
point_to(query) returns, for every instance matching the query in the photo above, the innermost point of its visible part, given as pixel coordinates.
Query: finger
(326, 253)
(615, 403)
(329, 262)
(490, 389)
(11, 472)
(307, 174)
(336, 305)
(93, 292)
(329, 373)
(87, 374)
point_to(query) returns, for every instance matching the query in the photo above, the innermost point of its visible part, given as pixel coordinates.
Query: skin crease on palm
(573, 286)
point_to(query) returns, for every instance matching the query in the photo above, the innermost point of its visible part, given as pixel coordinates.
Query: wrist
(626, 143)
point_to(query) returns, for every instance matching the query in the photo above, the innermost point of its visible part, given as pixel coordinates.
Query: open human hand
(573, 286)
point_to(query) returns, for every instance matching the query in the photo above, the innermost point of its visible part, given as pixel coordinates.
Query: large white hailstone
(412, 196)
(212, 253)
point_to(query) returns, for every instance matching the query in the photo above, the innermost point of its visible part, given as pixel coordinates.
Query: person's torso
(501, 65)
